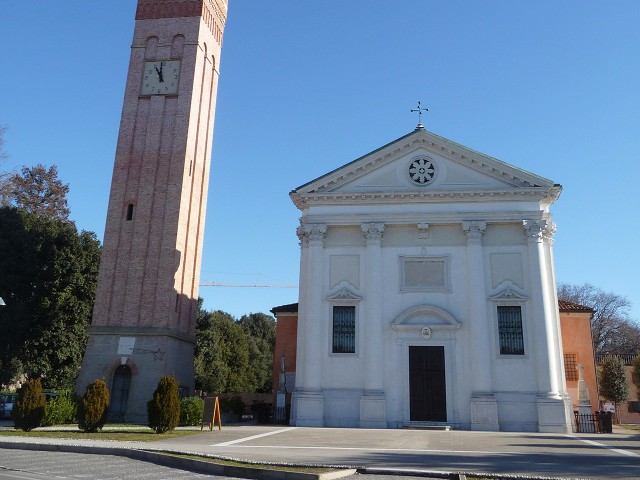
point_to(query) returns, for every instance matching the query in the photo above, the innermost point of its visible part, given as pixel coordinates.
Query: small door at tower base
(119, 393)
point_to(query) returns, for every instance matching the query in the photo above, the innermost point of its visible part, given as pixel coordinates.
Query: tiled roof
(289, 308)
(573, 307)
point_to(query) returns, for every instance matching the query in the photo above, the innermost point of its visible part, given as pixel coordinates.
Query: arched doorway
(119, 393)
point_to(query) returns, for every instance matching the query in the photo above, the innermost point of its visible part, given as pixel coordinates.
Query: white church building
(428, 294)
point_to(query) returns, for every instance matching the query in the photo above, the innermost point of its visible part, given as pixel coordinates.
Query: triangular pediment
(422, 164)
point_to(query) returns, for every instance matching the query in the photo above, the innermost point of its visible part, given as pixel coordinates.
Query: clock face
(160, 77)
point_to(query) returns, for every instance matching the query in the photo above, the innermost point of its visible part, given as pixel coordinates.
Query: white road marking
(246, 439)
(363, 449)
(602, 445)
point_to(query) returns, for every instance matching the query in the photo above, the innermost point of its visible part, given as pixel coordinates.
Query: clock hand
(159, 72)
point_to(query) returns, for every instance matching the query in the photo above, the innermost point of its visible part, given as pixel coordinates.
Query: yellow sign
(211, 413)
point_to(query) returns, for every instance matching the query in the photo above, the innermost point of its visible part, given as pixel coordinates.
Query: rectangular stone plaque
(126, 345)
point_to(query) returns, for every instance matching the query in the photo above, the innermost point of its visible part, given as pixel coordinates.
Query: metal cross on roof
(419, 109)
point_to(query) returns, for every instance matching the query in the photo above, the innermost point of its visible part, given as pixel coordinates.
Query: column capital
(311, 233)
(474, 230)
(538, 231)
(373, 231)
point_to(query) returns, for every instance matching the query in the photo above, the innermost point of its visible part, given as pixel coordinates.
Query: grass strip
(261, 466)
(120, 435)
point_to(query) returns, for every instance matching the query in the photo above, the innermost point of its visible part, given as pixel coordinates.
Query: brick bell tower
(143, 323)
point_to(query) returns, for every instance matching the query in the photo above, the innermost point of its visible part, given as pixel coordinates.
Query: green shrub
(233, 405)
(191, 409)
(94, 407)
(30, 406)
(61, 409)
(163, 410)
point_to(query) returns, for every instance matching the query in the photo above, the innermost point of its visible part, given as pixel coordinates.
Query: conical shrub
(94, 407)
(30, 406)
(163, 410)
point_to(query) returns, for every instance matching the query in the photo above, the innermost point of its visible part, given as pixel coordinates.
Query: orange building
(286, 341)
(577, 344)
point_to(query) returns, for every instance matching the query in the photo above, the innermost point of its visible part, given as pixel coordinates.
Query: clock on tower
(143, 324)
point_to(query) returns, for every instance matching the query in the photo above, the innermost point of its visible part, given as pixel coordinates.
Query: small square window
(510, 330)
(571, 367)
(344, 329)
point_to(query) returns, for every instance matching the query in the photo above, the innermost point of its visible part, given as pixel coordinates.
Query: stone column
(308, 400)
(543, 320)
(371, 346)
(484, 410)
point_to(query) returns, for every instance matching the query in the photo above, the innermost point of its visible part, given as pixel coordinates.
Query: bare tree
(5, 177)
(38, 190)
(612, 329)
(3, 154)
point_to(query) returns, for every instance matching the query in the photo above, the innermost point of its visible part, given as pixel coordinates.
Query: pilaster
(372, 403)
(554, 408)
(484, 410)
(308, 399)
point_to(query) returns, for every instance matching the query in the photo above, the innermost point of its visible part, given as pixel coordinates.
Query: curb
(431, 474)
(193, 465)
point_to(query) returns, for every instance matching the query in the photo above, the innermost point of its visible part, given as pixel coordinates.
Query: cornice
(545, 196)
(432, 219)
(212, 12)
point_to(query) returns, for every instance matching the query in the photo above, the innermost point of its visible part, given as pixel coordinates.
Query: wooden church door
(427, 387)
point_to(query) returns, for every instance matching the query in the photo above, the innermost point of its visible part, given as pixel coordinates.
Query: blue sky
(305, 87)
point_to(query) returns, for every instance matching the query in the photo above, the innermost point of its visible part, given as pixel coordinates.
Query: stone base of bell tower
(145, 355)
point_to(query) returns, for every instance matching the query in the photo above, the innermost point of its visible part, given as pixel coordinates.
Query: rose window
(421, 171)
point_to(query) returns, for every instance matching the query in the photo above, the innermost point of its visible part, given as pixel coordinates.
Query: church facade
(427, 294)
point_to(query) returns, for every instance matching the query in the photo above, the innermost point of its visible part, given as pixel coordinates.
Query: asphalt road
(35, 465)
(22, 464)
(615, 456)
(593, 456)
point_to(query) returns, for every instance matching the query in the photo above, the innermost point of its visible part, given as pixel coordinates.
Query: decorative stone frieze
(344, 292)
(423, 231)
(508, 292)
(474, 230)
(372, 231)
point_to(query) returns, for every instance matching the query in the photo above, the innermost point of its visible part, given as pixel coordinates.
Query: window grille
(344, 329)
(510, 330)
(571, 367)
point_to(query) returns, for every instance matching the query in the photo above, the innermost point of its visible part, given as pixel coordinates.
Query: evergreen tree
(261, 332)
(613, 381)
(94, 407)
(233, 355)
(48, 281)
(163, 410)
(30, 406)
